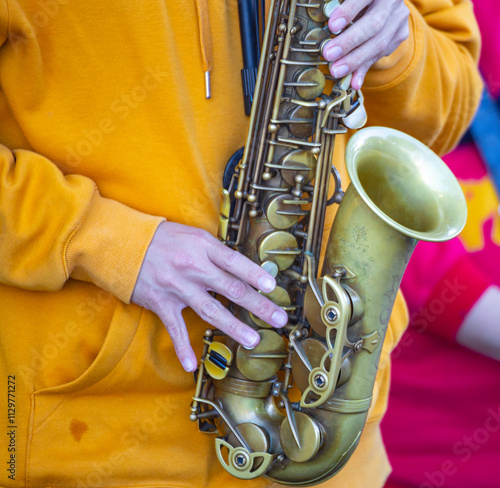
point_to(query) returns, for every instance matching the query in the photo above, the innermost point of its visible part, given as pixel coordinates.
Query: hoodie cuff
(391, 67)
(453, 298)
(109, 245)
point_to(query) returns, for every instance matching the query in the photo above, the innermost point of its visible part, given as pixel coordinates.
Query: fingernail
(250, 339)
(188, 364)
(337, 25)
(331, 54)
(340, 71)
(266, 284)
(359, 80)
(280, 318)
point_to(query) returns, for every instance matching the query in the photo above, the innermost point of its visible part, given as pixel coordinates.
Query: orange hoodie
(106, 131)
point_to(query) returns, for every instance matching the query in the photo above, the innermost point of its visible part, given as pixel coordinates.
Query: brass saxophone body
(293, 408)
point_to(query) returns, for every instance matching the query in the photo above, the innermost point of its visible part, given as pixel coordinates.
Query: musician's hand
(376, 33)
(181, 266)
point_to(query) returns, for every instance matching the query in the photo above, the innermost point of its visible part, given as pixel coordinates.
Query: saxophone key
(256, 437)
(218, 360)
(310, 436)
(271, 267)
(311, 76)
(279, 247)
(298, 163)
(264, 360)
(282, 215)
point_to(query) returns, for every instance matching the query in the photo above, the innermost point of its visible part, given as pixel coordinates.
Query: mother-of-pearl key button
(330, 7)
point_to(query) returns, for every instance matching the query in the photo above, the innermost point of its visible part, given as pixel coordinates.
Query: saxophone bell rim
(422, 172)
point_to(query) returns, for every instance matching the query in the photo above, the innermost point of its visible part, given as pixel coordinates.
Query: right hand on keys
(182, 265)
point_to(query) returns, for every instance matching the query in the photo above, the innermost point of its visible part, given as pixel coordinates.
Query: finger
(174, 323)
(246, 297)
(358, 76)
(368, 53)
(370, 25)
(213, 312)
(241, 267)
(345, 14)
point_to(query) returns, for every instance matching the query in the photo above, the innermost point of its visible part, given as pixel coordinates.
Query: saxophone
(293, 408)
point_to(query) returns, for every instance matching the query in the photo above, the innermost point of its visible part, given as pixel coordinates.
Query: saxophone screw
(320, 381)
(331, 315)
(241, 460)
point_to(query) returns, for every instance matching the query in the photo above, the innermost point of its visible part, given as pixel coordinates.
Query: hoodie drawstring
(205, 42)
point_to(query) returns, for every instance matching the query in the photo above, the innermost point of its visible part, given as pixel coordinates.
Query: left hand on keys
(381, 28)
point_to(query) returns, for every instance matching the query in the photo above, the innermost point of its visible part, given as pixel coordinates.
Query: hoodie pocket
(59, 420)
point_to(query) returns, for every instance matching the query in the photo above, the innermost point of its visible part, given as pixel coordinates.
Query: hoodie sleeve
(430, 86)
(54, 227)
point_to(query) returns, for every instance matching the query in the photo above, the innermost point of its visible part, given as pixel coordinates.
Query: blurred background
(442, 427)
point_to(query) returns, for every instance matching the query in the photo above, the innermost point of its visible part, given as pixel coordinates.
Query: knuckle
(348, 11)
(165, 279)
(351, 41)
(206, 238)
(236, 289)
(175, 331)
(382, 44)
(231, 329)
(185, 260)
(265, 308)
(231, 258)
(210, 309)
(378, 20)
(200, 233)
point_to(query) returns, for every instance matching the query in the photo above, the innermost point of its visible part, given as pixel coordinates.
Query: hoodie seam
(72, 234)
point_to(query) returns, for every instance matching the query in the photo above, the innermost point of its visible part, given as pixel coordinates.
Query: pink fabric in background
(429, 262)
(488, 16)
(442, 427)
